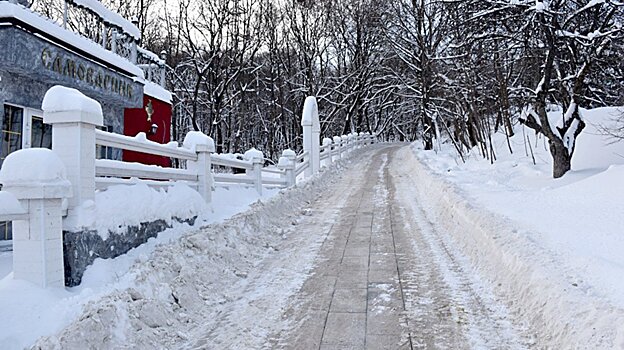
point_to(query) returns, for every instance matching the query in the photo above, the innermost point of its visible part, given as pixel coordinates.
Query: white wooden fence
(37, 207)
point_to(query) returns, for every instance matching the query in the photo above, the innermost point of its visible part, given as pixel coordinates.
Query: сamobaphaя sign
(95, 76)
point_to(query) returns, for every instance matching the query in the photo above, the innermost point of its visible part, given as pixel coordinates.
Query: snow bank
(121, 206)
(180, 291)
(554, 246)
(530, 278)
(29, 312)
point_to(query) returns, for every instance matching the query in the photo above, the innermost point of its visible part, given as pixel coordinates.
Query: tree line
(407, 70)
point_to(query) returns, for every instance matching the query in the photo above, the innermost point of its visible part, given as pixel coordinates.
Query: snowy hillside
(576, 221)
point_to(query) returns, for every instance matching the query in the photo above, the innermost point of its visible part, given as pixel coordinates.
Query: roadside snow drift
(553, 246)
(183, 287)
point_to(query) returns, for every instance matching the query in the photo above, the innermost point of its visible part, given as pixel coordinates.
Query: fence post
(327, 143)
(287, 163)
(345, 145)
(37, 178)
(73, 117)
(203, 145)
(338, 147)
(257, 159)
(311, 134)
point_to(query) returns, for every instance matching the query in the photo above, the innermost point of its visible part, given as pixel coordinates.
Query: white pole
(311, 134)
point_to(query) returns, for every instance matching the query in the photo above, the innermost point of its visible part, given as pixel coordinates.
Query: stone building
(37, 53)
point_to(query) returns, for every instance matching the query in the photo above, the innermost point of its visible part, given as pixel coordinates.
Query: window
(41, 135)
(11, 133)
(21, 128)
(10, 141)
(104, 152)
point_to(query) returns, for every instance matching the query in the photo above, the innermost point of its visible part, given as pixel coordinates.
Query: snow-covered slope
(570, 228)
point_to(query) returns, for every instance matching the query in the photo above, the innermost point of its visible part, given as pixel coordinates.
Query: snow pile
(29, 312)
(33, 166)
(121, 206)
(194, 138)
(252, 154)
(63, 99)
(182, 291)
(554, 246)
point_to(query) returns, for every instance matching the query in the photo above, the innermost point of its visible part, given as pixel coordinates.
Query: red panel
(135, 121)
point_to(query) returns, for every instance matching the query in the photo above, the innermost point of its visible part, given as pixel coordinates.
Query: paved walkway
(385, 279)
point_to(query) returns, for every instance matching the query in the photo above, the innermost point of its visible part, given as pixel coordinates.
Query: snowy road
(357, 265)
(385, 278)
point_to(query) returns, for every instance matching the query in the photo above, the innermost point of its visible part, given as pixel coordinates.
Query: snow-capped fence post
(133, 51)
(37, 178)
(203, 145)
(338, 147)
(311, 134)
(73, 117)
(349, 143)
(327, 144)
(345, 145)
(287, 164)
(257, 160)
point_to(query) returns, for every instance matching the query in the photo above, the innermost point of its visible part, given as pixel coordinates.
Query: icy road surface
(385, 278)
(357, 265)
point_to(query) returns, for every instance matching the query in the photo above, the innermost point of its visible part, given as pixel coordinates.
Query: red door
(157, 130)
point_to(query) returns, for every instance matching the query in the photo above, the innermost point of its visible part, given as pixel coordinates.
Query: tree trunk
(561, 158)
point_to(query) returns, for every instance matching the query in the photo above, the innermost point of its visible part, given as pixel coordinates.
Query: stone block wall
(82, 248)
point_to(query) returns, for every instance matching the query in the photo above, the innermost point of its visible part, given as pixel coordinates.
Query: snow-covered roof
(51, 29)
(156, 91)
(109, 17)
(152, 56)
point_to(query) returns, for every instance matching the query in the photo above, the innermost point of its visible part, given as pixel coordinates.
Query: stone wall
(30, 65)
(80, 249)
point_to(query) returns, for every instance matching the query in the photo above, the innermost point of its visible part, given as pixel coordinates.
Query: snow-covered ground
(566, 232)
(29, 312)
